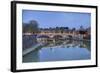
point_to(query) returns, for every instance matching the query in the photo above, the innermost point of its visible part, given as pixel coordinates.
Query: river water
(60, 51)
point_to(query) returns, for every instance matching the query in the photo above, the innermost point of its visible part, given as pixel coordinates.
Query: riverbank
(26, 51)
(38, 46)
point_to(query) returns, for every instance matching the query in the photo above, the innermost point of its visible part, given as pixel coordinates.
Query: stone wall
(28, 41)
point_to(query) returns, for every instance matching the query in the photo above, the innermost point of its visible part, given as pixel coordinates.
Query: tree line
(32, 27)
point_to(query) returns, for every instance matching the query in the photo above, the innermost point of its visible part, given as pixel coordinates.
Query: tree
(73, 29)
(82, 30)
(31, 27)
(67, 28)
(57, 30)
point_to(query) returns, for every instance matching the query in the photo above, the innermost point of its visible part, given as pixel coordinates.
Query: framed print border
(14, 35)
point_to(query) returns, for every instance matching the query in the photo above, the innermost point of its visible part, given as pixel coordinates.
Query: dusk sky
(48, 19)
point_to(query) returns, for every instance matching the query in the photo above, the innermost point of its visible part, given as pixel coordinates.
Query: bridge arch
(43, 36)
(57, 36)
(70, 36)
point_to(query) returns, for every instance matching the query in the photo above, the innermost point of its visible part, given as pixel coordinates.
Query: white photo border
(42, 65)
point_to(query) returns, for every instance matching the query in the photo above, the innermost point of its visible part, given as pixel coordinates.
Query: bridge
(62, 35)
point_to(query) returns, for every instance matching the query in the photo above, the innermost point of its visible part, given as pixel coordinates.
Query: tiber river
(60, 51)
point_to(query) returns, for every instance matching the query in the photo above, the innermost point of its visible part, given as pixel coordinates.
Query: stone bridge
(63, 35)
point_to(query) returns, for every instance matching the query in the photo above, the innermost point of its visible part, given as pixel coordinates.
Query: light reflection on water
(59, 51)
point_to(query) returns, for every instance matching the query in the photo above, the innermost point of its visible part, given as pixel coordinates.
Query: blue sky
(48, 19)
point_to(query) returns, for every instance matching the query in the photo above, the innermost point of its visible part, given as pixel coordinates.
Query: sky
(47, 19)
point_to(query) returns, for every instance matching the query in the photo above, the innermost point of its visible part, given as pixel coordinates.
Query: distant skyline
(47, 19)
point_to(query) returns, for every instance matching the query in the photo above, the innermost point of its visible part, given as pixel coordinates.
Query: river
(60, 51)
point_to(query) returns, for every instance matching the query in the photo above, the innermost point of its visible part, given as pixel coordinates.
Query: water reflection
(69, 43)
(57, 50)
